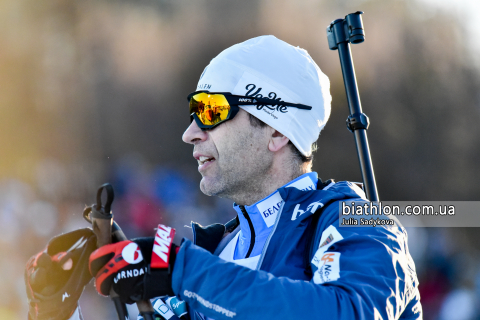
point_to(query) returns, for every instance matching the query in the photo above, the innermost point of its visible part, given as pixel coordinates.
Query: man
(285, 255)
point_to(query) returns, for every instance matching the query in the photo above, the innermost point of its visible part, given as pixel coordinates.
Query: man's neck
(261, 188)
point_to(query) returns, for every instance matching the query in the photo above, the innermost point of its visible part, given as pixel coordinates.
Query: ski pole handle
(107, 230)
(340, 33)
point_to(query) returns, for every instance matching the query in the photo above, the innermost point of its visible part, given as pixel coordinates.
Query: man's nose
(194, 134)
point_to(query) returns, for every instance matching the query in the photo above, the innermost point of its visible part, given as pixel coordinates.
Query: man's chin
(210, 188)
(204, 187)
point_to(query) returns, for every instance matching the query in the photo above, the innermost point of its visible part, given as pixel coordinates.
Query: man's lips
(203, 160)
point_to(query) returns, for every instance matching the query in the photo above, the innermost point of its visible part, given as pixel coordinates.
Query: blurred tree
(93, 81)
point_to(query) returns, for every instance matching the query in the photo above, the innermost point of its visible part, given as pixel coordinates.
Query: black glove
(138, 269)
(55, 278)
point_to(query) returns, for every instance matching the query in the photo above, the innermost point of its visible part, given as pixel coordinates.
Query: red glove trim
(116, 263)
(161, 247)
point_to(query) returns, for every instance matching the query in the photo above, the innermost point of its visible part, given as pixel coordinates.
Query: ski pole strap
(357, 121)
(96, 211)
(99, 214)
(110, 196)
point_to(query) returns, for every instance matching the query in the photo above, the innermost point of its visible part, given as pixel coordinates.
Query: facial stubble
(241, 171)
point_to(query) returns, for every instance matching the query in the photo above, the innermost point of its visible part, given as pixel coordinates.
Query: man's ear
(277, 141)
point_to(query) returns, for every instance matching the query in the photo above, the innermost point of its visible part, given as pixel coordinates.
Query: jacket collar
(264, 212)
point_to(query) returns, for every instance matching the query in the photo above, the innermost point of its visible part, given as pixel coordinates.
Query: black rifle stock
(340, 33)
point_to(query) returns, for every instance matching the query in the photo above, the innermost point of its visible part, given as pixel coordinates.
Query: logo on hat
(132, 254)
(272, 95)
(204, 86)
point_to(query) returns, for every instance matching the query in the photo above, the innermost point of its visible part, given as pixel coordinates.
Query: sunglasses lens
(211, 109)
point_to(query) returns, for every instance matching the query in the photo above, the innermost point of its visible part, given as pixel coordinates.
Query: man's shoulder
(347, 188)
(300, 204)
(331, 192)
(341, 191)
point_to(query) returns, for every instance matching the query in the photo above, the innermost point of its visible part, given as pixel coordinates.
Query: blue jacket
(348, 272)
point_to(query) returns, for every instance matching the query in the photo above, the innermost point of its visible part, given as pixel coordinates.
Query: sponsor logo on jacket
(304, 184)
(328, 263)
(329, 237)
(327, 241)
(312, 207)
(269, 209)
(272, 210)
(329, 270)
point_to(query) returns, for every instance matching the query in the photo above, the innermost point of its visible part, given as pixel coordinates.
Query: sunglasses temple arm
(299, 106)
(282, 103)
(237, 100)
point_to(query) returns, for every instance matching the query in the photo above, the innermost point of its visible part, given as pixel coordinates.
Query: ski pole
(108, 231)
(340, 33)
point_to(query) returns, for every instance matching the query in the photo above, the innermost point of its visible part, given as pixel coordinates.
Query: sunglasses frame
(235, 100)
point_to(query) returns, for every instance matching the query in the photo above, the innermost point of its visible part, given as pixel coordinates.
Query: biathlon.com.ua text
(373, 208)
(375, 213)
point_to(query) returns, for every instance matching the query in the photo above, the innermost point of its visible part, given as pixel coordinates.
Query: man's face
(232, 158)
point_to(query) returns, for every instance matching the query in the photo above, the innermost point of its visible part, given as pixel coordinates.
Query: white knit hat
(271, 68)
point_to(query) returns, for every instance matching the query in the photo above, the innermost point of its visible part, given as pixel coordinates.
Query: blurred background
(94, 91)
